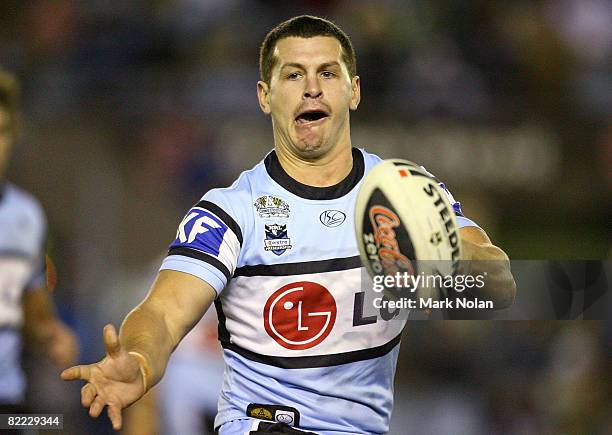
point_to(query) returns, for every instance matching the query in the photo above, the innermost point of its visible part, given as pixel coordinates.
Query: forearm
(145, 332)
(482, 258)
(494, 266)
(155, 327)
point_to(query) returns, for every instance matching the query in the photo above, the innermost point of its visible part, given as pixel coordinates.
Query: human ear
(263, 95)
(355, 93)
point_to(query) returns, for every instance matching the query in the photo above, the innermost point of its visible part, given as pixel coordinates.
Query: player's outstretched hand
(115, 381)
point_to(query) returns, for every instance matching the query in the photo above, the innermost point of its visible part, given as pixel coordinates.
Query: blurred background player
(26, 308)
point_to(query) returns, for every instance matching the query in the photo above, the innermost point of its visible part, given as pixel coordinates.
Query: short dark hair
(9, 97)
(304, 26)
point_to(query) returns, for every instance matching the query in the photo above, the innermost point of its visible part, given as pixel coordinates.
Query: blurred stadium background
(134, 109)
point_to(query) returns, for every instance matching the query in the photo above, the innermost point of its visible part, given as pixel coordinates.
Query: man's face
(309, 95)
(6, 139)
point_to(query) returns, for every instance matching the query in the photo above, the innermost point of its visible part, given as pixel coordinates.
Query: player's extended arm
(136, 360)
(46, 330)
(176, 302)
(484, 257)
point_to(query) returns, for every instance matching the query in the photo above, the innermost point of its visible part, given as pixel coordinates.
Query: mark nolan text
(432, 304)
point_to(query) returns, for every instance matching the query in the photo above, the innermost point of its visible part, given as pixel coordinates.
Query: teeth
(310, 117)
(305, 121)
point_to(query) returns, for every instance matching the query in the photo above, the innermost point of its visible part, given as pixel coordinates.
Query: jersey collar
(278, 174)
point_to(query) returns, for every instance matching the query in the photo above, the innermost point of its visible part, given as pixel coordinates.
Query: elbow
(509, 294)
(499, 285)
(506, 289)
(504, 280)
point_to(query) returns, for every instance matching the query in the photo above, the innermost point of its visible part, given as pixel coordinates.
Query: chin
(311, 151)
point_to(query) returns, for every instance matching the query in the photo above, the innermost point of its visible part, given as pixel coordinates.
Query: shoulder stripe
(222, 214)
(301, 268)
(302, 362)
(202, 256)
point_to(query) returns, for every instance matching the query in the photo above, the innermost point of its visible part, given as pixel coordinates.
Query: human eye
(294, 75)
(327, 74)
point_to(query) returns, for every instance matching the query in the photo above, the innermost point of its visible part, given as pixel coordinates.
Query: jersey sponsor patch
(300, 315)
(332, 218)
(270, 206)
(277, 239)
(279, 413)
(201, 230)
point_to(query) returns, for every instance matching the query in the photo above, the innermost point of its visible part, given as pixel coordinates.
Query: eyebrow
(299, 65)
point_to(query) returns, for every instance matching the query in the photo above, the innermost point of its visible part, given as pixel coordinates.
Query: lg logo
(300, 315)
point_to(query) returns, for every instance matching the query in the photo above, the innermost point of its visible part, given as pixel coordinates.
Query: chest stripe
(302, 362)
(300, 268)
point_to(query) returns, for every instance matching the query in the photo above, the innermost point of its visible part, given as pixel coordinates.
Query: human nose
(313, 88)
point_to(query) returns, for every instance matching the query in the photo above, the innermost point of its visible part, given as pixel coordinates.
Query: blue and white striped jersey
(284, 261)
(22, 236)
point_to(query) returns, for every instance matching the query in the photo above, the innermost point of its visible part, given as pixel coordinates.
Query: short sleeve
(207, 243)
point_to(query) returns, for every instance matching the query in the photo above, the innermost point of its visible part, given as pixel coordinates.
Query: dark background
(134, 109)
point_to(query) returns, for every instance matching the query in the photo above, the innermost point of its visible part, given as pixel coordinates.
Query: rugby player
(25, 301)
(276, 252)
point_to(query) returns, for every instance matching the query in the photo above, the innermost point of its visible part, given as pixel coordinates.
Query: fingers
(76, 372)
(96, 407)
(88, 393)
(113, 410)
(111, 340)
(96, 404)
(114, 414)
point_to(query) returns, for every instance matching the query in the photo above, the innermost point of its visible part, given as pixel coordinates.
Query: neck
(325, 170)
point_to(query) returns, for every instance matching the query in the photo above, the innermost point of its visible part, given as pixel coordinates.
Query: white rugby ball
(404, 222)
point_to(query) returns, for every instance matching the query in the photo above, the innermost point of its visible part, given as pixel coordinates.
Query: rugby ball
(404, 222)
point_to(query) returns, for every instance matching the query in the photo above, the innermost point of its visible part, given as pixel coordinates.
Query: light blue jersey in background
(22, 237)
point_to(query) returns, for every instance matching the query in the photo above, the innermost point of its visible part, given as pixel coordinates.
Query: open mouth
(310, 116)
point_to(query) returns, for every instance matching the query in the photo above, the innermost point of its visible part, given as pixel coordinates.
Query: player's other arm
(45, 330)
(137, 358)
(482, 256)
